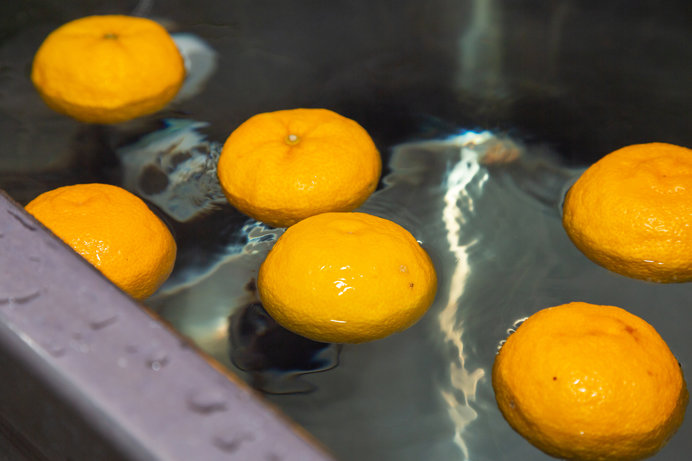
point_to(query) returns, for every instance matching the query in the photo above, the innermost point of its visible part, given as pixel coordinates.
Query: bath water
(487, 209)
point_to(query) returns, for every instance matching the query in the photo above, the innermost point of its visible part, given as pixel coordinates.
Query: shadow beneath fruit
(275, 359)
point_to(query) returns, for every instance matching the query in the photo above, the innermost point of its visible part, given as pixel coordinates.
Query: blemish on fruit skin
(410, 284)
(110, 36)
(632, 332)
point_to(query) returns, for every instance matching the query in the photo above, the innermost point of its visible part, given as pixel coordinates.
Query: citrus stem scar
(292, 139)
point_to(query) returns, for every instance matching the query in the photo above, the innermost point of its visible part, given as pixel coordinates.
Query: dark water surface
(484, 111)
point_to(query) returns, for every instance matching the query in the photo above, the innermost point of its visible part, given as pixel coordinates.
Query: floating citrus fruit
(280, 167)
(587, 382)
(108, 69)
(346, 278)
(112, 229)
(631, 212)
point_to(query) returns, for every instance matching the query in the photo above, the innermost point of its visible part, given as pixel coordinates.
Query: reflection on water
(174, 168)
(458, 204)
(409, 396)
(486, 208)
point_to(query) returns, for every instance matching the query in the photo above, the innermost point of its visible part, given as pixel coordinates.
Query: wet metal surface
(95, 376)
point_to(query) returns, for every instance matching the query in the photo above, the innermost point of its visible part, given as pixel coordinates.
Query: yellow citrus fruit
(108, 69)
(346, 278)
(112, 229)
(631, 212)
(587, 382)
(280, 167)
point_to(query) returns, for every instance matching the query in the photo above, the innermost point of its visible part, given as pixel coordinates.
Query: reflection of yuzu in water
(280, 167)
(108, 69)
(631, 212)
(346, 278)
(112, 229)
(587, 382)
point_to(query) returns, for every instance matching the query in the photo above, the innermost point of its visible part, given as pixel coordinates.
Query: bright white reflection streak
(465, 170)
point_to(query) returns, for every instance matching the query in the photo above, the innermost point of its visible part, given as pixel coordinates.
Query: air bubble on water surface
(500, 344)
(519, 321)
(516, 324)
